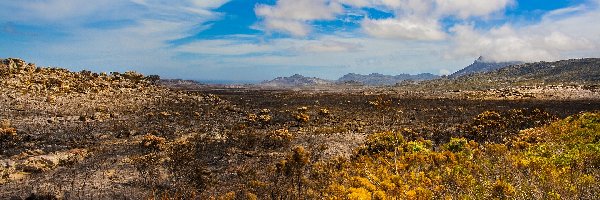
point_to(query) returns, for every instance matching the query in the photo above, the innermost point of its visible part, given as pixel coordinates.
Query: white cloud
(300, 10)
(420, 19)
(292, 16)
(331, 46)
(234, 47)
(208, 4)
(471, 8)
(412, 41)
(414, 19)
(54, 11)
(292, 27)
(356, 3)
(564, 12)
(327, 56)
(407, 28)
(141, 45)
(551, 39)
(237, 46)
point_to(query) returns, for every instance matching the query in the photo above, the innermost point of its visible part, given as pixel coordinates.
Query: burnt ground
(385, 112)
(232, 136)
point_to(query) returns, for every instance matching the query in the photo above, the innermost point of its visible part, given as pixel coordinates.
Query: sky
(246, 40)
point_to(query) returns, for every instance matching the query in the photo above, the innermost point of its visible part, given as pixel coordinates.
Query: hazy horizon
(251, 41)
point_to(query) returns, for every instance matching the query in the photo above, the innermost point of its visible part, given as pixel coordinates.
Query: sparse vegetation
(153, 142)
(388, 165)
(6, 131)
(86, 135)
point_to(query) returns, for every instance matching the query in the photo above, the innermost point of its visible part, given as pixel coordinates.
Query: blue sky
(263, 39)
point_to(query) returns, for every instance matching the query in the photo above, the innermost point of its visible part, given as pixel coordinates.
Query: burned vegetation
(85, 135)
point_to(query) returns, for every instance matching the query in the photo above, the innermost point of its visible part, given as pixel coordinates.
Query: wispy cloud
(141, 44)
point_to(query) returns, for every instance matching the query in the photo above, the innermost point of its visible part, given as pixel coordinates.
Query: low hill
(380, 79)
(295, 80)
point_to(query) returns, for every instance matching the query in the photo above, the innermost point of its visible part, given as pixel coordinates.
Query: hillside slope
(380, 79)
(564, 71)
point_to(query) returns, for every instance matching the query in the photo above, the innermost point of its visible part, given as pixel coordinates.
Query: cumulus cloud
(408, 28)
(551, 39)
(471, 8)
(291, 16)
(414, 19)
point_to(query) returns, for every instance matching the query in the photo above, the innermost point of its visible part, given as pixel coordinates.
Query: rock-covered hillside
(574, 78)
(16, 74)
(566, 71)
(97, 132)
(380, 79)
(583, 71)
(295, 80)
(481, 66)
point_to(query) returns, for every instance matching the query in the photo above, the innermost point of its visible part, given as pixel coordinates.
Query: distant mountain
(481, 65)
(295, 80)
(380, 79)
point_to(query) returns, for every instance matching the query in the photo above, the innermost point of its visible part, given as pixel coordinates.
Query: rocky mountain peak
(481, 65)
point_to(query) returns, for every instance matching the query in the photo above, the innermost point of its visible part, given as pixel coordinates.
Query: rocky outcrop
(16, 74)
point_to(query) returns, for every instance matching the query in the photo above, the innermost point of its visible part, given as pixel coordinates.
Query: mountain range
(585, 70)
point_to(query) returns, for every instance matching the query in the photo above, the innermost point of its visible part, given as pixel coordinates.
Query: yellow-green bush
(553, 161)
(556, 161)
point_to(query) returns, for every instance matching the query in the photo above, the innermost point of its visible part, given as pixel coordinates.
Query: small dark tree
(153, 79)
